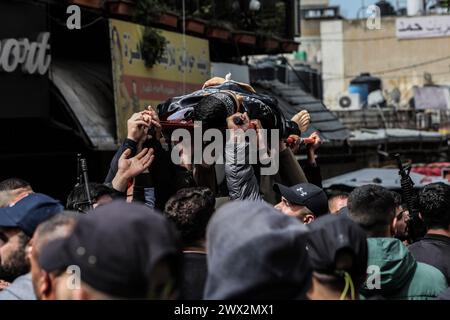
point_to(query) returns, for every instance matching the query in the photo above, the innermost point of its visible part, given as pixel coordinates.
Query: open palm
(134, 166)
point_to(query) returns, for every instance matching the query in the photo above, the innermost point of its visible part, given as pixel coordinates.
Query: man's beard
(16, 265)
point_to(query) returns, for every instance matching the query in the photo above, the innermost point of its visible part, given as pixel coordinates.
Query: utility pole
(290, 19)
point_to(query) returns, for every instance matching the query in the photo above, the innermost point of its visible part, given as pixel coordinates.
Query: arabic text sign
(423, 27)
(183, 69)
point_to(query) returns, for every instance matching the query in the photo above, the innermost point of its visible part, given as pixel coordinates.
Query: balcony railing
(431, 120)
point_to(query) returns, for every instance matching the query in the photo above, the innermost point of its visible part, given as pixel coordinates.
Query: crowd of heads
(159, 230)
(121, 250)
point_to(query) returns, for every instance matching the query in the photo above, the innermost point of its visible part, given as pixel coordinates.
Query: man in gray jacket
(240, 176)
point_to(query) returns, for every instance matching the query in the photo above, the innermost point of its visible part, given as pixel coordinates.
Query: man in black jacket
(158, 178)
(434, 248)
(191, 209)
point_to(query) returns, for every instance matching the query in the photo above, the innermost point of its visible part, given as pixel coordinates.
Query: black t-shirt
(195, 271)
(433, 249)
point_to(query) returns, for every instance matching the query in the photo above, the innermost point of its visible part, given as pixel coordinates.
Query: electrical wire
(84, 26)
(414, 65)
(47, 3)
(381, 72)
(184, 47)
(350, 40)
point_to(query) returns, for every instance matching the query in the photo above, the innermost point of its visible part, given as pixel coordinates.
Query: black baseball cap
(116, 248)
(27, 213)
(331, 234)
(305, 194)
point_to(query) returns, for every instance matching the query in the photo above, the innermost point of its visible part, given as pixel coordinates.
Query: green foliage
(270, 20)
(147, 11)
(204, 10)
(153, 46)
(153, 43)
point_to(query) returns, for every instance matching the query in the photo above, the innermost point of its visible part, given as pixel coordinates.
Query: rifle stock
(416, 228)
(83, 178)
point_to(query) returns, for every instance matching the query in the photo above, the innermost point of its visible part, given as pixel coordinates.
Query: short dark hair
(211, 111)
(333, 194)
(372, 207)
(190, 209)
(77, 199)
(337, 195)
(397, 198)
(434, 200)
(13, 184)
(49, 229)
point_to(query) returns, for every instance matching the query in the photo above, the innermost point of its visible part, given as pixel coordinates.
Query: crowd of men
(159, 230)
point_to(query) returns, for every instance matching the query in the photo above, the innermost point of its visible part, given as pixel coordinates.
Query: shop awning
(87, 90)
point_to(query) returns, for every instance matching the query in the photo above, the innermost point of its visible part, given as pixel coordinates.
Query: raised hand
(242, 118)
(132, 167)
(3, 284)
(137, 126)
(152, 117)
(317, 141)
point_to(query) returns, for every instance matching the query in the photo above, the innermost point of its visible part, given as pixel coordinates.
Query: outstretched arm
(241, 180)
(312, 169)
(137, 128)
(130, 167)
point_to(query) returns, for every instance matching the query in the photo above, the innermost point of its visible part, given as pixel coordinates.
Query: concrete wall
(310, 34)
(311, 45)
(333, 60)
(380, 53)
(310, 27)
(310, 41)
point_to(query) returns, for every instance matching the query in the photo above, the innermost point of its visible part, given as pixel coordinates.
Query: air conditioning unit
(348, 101)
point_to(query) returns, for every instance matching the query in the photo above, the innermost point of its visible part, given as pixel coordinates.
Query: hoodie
(19, 289)
(255, 252)
(400, 275)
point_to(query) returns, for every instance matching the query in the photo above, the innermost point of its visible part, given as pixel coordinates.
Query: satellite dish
(375, 97)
